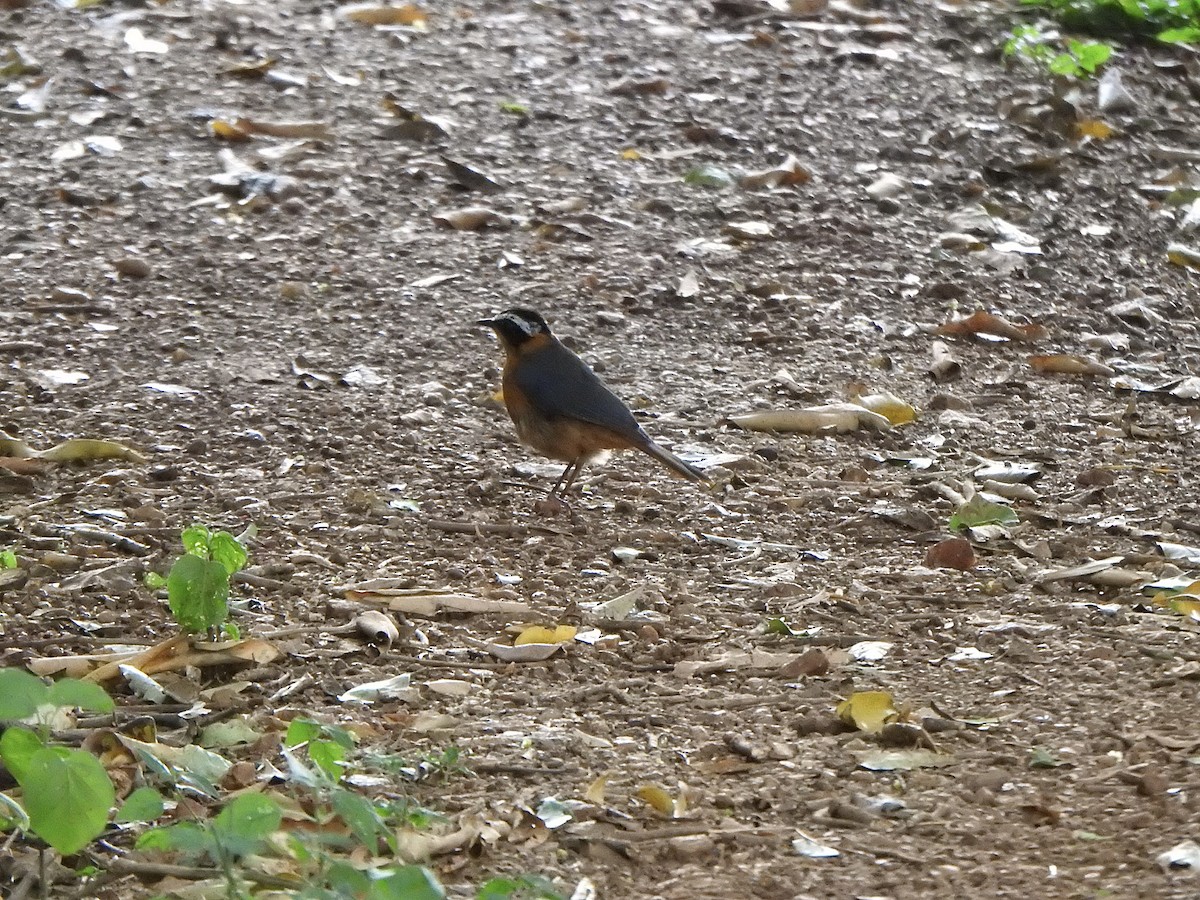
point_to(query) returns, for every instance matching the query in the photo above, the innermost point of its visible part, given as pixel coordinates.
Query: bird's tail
(673, 462)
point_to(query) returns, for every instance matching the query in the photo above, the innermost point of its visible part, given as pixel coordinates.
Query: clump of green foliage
(1170, 21)
(65, 793)
(1167, 21)
(1079, 59)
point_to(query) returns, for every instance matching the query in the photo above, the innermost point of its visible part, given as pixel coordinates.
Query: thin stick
(481, 528)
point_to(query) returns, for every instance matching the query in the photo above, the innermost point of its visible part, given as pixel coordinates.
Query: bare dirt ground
(304, 359)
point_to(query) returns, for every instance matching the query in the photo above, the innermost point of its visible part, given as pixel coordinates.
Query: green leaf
(8, 559)
(327, 756)
(198, 591)
(1187, 35)
(1065, 64)
(186, 837)
(533, 887)
(243, 825)
(516, 109)
(229, 734)
(301, 731)
(361, 816)
(67, 795)
(12, 815)
(17, 747)
(1041, 758)
(780, 627)
(339, 735)
(71, 692)
(977, 511)
(1090, 56)
(143, 805)
(346, 880)
(20, 694)
(498, 889)
(226, 550)
(709, 176)
(406, 883)
(196, 539)
(154, 581)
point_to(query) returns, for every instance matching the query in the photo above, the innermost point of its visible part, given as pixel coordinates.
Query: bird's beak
(489, 323)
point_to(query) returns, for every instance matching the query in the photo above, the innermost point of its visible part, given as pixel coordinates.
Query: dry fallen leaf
(524, 652)
(944, 366)
(377, 627)
(469, 178)
(1183, 255)
(836, 417)
(900, 760)
(471, 218)
(428, 603)
(595, 791)
(982, 322)
(747, 231)
(952, 553)
(375, 14)
(87, 450)
(787, 174)
(1068, 364)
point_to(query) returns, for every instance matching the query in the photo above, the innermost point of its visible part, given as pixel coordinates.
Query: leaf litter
(688, 297)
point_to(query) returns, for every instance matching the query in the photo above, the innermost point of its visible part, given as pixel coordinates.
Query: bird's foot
(554, 505)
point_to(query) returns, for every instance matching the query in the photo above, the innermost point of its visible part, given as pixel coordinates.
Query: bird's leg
(578, 465)
(572, 466)
(555, 501)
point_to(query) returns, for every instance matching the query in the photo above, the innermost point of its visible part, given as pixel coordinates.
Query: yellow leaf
(377, 14)
(1183, 255)
(630, 154)
(889, 406)
(657, 798)
(1095, 129)
(86, 449)
(595, 791)
(539, 634)
(1188, 608)
(228, 131)
(867, 710)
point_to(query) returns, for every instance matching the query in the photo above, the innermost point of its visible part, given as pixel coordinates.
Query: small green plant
(66, 795)
(435, 764)
(8, 559)
(523, 887)
(1169, 21)
(1079, 59)
(327, 745)
(198, 583)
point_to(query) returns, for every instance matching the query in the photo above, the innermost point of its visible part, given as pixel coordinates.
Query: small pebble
(132, 267)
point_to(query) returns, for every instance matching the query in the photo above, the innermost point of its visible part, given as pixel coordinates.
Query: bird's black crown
(516, 326)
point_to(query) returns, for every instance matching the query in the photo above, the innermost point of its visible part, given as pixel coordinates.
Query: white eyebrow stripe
(530, 328)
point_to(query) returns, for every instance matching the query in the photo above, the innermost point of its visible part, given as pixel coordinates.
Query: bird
(561, 408)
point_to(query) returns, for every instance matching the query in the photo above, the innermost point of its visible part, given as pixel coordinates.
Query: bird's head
(516, 327)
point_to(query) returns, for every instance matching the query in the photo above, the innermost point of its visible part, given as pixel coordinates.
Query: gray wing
(560, 384)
